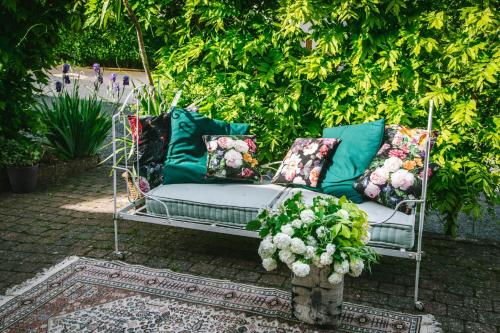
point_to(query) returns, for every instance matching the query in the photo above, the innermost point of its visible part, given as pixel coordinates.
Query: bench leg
(418, 304)
(117, 252)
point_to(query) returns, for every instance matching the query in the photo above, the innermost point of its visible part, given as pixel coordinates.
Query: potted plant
(320, 243)
(21, 157)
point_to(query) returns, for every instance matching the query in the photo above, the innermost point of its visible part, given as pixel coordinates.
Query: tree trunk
(140, 41)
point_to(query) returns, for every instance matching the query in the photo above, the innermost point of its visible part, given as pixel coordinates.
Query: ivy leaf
(345, 231)
(336, 229)
(253, 225)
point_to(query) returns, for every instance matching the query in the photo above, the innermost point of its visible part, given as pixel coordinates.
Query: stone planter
(315, 301)
(23, 179)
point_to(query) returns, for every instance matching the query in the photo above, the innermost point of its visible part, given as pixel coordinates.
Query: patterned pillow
(232, 157)
(396, 172)
(305, 161)
(151, 134)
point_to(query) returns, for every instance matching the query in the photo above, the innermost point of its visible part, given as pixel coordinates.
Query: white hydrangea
(356, 266)
(281, 240)
(343, 255)
(310, 252)
(321, 232)
(297, 246)
(330, 248)
(342, 213)
(311, 241)
(269, 264)
(335, 278)
(307, 216)
(286, 256)
(341, 267)
(287, 229)
(267, 248)
(300, 269)
(297, 223)
(325, 259)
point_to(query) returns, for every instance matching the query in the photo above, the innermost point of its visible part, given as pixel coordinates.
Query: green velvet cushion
(359, 144)
(187, 154)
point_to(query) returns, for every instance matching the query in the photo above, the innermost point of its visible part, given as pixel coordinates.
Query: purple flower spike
(99, 78)
(112, 77)
(66, 68)
(66, 79)
(116, 87)
(58, 86)
(126, 80)
(97, 68)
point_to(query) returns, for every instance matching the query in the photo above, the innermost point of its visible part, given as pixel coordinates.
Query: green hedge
(373, 59)
(112, 46)
(28, 34)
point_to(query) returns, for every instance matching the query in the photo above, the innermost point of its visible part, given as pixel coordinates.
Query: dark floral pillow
(396, 172)
(151, 134)
(232, 157)
(305, 161)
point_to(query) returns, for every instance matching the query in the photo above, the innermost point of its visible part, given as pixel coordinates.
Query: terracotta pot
(315, 301)
(22, 179)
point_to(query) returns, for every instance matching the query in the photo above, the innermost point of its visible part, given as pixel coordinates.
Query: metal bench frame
(136, 210)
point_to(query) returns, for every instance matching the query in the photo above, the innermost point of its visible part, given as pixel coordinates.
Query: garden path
(460, 279)
(85, 77)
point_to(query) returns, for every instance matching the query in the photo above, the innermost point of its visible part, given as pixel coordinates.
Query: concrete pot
(22, 179)
(315, 301)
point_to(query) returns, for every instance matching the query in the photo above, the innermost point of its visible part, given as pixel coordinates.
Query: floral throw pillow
(232, 157)
(305, 161)
(151, 134)
(396, 172)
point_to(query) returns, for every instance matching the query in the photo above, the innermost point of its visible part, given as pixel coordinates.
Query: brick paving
(460, 279)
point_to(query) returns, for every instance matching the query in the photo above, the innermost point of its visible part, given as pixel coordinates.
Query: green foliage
(327, 221)
(372, 59)
(114, 45)
(28, 34)
(20, 152)
(74, 127)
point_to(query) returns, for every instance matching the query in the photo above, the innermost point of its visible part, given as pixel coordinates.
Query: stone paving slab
(460, 282)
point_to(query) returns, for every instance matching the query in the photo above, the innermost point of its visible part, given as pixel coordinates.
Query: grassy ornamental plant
(74, 127)
(330, 234)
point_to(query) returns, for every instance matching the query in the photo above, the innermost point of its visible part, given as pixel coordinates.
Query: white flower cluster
(315, 249)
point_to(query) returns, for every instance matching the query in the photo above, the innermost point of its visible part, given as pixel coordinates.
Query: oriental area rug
(88, 295)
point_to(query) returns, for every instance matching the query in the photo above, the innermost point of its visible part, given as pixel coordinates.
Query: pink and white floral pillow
(232, 157)
(305, 161)
(396, 172)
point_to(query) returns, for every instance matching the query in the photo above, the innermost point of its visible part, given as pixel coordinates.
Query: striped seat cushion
(240, 203)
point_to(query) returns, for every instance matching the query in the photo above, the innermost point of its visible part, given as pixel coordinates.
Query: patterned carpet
(87, 295)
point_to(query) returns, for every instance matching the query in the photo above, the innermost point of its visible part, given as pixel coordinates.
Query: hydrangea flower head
(300, 269)
(269, 264)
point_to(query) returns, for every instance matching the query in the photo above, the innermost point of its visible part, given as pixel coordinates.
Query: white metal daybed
(230, 206)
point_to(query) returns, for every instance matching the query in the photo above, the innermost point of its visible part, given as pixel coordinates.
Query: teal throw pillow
(359, 144)
(186, 160)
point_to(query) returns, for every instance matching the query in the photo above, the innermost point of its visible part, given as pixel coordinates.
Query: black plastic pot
(23, 179)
